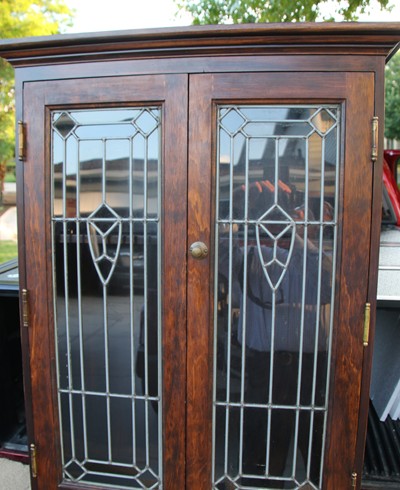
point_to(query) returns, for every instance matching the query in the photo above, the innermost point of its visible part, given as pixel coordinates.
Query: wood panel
(352, 91)
(170, 93)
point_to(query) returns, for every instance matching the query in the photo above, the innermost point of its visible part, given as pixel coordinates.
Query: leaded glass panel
(275, 251)
(106, 182)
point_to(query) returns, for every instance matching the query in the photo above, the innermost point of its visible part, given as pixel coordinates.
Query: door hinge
(375, 130)
(32, 450)
(367, 321)
(21, 141)
(354, 480)
(25, 307)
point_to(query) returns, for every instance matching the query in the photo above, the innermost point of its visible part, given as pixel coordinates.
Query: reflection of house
(289, 140)
(117, 174)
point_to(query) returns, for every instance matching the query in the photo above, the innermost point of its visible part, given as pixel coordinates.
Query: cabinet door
(280, 183)
(105, 267)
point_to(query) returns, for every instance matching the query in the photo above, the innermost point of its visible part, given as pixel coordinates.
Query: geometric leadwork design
(100, 233)
(64, 125)
(148, 479)
(275, 268)
(232, 121)
(146, 122)
(226, 484)
(307, 486)
(105, 212)
(277, 172)
(74, 470)
(323, 121)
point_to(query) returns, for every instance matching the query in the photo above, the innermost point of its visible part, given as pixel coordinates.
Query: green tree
(23, 18)
(392, 103)
(243, 11)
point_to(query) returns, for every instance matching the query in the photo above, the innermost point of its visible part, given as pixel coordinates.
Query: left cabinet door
(104, 262)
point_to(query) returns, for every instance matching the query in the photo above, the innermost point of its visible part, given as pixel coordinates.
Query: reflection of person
(278, 330)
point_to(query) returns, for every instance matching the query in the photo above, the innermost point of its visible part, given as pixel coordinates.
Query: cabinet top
(290, 38)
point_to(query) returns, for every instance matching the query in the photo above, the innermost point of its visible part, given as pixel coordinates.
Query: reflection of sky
(263, 125)
(121, 128)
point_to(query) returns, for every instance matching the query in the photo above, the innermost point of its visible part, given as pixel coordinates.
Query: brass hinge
(375, 128)
(354, 480)
(25, 307)
(367, 321)
(21, 140)
(32, 450)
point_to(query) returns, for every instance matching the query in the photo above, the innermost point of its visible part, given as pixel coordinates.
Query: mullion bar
(244, 307)
(131, 303)
(105, 314)
(54, 280)
(111, 395)
(273, 319)
(229, 332)
(303, 303)
(66, 299)
(159, 310)
(146, 306)
(216, 269)
(318, 315)
(79, 295)
(271, 406)
(333, 291)
(277, 222)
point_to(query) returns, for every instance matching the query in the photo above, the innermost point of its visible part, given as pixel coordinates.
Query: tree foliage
(250, 11)
(23, 18)
(392, 92)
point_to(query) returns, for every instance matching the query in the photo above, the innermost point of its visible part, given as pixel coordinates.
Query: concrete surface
(14, 475)
(8, 224)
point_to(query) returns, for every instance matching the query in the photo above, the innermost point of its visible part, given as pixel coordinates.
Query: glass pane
(277, 182)
(106, 258)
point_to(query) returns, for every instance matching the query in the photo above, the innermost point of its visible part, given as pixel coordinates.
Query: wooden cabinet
(199, 222)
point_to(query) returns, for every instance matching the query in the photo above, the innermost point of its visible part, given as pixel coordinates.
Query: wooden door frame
(170, 93)
(352, 91)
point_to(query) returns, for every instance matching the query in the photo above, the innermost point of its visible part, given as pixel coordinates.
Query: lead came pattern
(106, 210)
(276, 240)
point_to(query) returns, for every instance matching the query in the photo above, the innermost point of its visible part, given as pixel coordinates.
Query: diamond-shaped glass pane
(64, 124)
(146, 122)
(74, 470)
(227, 484)
(148, 479)
(232, 121)
(323, 121)
(307, 486)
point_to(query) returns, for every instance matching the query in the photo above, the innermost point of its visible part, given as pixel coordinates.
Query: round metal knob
(198, 250)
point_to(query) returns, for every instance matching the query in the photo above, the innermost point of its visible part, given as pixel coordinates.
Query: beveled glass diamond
(227, 484)
(322, 121)
(148, 479)
(232, 121)
(307, 486)
(64, 124)
(74, 470)
(146, 122)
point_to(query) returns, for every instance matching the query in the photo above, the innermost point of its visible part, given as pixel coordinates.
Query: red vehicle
(391, 192)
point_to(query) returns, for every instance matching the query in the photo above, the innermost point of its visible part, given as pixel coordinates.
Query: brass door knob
(198, 250)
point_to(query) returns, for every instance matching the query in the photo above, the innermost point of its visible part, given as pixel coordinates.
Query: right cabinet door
(286, 159)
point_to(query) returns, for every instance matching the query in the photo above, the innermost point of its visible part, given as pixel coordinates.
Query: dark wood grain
(170, 93)
(352, 287)
(295, 38)
(187, 71)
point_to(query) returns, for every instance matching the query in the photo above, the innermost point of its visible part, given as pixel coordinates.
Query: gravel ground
(14, 475)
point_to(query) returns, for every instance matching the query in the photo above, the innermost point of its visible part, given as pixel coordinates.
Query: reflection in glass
(276, 227)
(106, 256)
